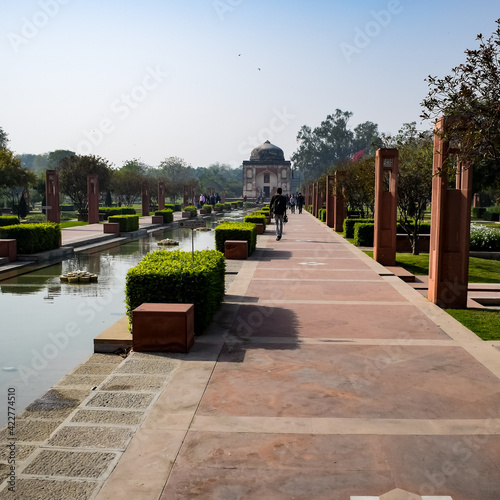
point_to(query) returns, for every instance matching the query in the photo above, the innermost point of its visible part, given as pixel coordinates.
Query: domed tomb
(265, 172)
(267, 152)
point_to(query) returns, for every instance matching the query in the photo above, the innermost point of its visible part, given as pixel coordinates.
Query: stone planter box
(186, 215)
(260, 228)
(236, 249)
(163, 328)
(111, 228)
(157, 219)
(8, 248)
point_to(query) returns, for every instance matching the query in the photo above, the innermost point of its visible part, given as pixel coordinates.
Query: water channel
(47, 327)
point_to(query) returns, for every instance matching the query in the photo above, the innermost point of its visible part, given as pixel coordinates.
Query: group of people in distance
(278, 206)
(207, 199)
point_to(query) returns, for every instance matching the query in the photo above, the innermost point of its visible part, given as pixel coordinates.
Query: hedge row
(322, 214)
(236, 231)
(127, 222)
(349, 226)
(207, 208)
(256, 219)
(219, 207)
(167, 214)
(33, 238)
(173, 207)
(176, 277)
(9, 220)
(363, 234)
(111, 211)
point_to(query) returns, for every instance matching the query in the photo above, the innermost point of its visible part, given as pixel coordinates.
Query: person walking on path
(278, 208)
(300, 202)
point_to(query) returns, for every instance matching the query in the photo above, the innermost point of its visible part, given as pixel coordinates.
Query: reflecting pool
(47, 327)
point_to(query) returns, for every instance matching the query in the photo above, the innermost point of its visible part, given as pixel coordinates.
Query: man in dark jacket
(300, 202)
(278, 208)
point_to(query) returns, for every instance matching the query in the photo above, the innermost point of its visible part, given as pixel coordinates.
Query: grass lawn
(72, 223)
(485, 323)
(480, 270)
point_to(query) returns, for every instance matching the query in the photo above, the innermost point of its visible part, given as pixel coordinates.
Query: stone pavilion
(266, 171)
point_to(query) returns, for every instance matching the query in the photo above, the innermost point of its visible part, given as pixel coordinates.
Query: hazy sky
(208, 80)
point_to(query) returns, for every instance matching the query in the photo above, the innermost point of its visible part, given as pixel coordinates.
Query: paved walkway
(323, 377)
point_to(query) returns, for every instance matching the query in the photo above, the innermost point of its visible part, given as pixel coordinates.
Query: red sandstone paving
(316, 272)
(346, 381)
(267, 261)
(324, 290)
(344, 321)
(279, 466)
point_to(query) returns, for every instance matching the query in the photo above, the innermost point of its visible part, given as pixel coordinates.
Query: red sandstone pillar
(340, 212)
(52, 196)
(330, 201)
(93, 198)
(186, 196)
(145, 199)
(450, 229)
(161, 195)
(386, 206)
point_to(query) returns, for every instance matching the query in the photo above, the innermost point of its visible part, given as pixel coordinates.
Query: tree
(358, 184)
(73, 171)
(176, 173)
(332, 142)
(220, 177)
(127, 181)
(414, 178)
(14, 179)
(4, 139)
(54, 157)
(470, 99)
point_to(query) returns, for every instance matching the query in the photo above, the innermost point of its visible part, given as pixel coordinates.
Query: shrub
(363, 234)
(227, 206)
(219, 207)
(424, 228)
(310, 209)
(9, 220)
(67, 207)
(176, 277)
(256, 219)
(111, 211)
(193, 211)
(491, 216)
(349, 226)
(478, 212)
(127, 222)
(173, 207)
(236, 231)
(484, 238)
(33, 238)
(239, 203)
(207, 208)
(322, 214)
(168, 215)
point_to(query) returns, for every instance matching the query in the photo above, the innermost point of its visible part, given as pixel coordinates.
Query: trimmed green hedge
(168, 215)
(240, 203)
(192, 210)
(256, 219)
(33, 238)
(9, 220)
(322, 214)
(127, 222)
(219, 207)
(478, 212)
(310, 209)
(110, 211)
(491, 216)
(227, 206)
(67, 207)
(173, 207)
(208, 208)
(236, 231)
(175, 277)
(425, 228)
(363, 234)
(349, 226)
